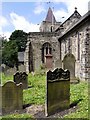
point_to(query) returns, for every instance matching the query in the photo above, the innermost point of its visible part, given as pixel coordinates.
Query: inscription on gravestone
(58, 91)
(21, 77)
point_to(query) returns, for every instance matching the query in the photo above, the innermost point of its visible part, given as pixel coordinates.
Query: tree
(10, 54)
(3, 41)
(20, 38)
(10, 49)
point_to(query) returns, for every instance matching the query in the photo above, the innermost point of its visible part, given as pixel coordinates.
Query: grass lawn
(36, 95)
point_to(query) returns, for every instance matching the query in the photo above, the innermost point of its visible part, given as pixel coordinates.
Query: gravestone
(57, 91)
(12, 97)
(21, 77)
(9, 71)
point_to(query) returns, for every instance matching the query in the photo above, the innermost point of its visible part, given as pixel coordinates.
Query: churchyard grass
(17, 116)
(36, 95)
(5, 78)
(79, 93)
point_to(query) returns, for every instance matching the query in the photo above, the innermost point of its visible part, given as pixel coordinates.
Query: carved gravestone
(21, 77)
(12, 97)
(57, 91)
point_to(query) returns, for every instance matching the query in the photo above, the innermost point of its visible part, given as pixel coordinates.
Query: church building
(61, 45)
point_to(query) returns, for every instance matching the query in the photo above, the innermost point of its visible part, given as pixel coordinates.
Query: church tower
(50, 23)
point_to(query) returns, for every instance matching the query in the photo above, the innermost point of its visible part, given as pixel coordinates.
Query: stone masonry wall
(37, 40)
(46, 26)
(70, 21)
(74, 43)
(73, 40)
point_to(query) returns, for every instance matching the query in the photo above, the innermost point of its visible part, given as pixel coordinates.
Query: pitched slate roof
(50, 17)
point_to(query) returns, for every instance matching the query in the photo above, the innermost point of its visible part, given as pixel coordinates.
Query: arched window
(46, 49)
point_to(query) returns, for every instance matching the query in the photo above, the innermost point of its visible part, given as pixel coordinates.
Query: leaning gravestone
(12, 97)
(57, 91)
(21, 77)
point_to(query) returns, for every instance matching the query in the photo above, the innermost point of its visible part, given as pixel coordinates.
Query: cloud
(82, 7)
(7, 34)
(60, 15)
(20, 23)
(4, 23)
(39, 8)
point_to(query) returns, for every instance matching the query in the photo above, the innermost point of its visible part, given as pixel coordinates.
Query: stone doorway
(69, 63)
(49, 62)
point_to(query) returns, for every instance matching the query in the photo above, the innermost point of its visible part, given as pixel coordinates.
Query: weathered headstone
(12, 97)
(57, 91)
(9, 71)
(21, 77)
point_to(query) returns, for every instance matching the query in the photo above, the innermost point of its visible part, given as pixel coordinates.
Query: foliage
(20, 38)
(43, 66)
(10, 54)
(10, 49)
(3, 41)
(41, 71)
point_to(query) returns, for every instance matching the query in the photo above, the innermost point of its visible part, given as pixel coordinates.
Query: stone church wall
(74, 43)
(68, 49)
(70, 21)
(37, 40)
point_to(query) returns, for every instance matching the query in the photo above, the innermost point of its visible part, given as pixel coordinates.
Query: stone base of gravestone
(21, 77)
(58, 91)
(12, 97)
(74, 80)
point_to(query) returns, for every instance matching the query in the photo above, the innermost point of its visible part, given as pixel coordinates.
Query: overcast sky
(27, 15)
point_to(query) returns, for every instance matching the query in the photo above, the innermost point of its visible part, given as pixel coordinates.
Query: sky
(27, 15)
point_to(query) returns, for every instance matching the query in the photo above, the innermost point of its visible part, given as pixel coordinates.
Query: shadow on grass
(26, 105)
(75, 103)
(59, 113)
